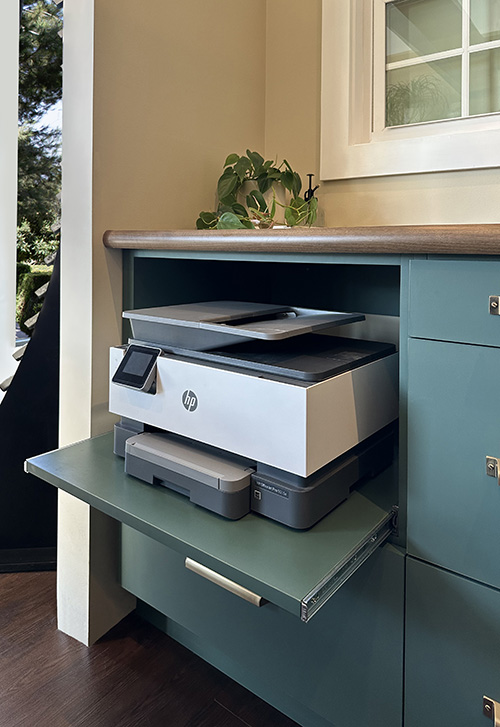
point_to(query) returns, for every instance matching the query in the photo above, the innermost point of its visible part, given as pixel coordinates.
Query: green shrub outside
(21, 270)
(27, 303)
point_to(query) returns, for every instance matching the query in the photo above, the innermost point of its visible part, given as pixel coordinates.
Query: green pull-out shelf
(296, 570)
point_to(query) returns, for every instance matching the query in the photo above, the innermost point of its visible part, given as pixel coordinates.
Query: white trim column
(90, 599)
(9, 84)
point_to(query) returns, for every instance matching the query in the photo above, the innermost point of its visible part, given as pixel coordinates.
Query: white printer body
(294, 426)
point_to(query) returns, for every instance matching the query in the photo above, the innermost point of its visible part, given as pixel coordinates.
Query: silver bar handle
(223, 582)
(492, 710)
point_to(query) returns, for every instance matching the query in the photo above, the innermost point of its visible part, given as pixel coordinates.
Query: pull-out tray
(203, 326)
(297, 571)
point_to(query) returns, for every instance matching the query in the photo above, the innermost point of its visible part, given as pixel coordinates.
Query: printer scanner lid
(207, 325)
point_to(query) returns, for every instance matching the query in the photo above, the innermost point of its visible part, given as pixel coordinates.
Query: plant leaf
(208, 217)
(239, 210)
(296, 184)
(242, 166)
(287, 180)
(231, 159)
(227, 185)
(255, 159)
(229, 221)
(264, 183)
(256, 196)
(313, 211)
(291, 216)
(297, 203)
(272, 211)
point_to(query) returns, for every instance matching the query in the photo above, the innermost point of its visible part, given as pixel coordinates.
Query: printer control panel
(137, 369)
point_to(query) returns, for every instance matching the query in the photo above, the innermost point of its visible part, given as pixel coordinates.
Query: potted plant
(250, 194)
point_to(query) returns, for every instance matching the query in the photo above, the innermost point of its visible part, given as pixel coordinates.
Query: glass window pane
(484, 21)
(484, 97)
(419, 27)
(424, 92)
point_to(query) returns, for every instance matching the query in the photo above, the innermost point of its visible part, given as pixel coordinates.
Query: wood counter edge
(457, 239)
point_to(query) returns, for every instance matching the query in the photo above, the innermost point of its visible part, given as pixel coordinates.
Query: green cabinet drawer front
(452, 648)
(453, 424)
(449, 300)
(344, 667)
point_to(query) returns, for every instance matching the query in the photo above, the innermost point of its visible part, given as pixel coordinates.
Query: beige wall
(178, 86)
(293, 128)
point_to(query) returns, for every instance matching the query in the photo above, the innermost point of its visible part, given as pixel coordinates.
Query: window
(442, 59)
(409, 86)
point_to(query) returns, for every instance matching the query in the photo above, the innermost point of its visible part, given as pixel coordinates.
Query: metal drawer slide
(316, 598)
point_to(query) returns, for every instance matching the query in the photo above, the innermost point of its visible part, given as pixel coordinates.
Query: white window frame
(350, 148)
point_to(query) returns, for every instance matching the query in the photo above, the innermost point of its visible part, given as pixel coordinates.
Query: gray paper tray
(208, 325)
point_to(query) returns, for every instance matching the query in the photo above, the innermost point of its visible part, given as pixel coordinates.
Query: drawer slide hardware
(493, 467)
(495, 305)
(344, 570)
(492, 710)
(224, 582)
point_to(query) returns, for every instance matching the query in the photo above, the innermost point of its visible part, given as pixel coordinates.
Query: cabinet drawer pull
(223, 582)
(492, 710)
(493, 467)
(495, 305)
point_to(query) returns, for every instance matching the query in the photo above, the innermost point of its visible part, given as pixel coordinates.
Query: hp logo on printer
(189, 400)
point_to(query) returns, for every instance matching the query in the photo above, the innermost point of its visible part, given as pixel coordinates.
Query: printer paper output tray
(207, 325)
(311, 358)
(296, 571)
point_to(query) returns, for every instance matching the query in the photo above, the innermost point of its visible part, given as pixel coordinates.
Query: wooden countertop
(395, 239)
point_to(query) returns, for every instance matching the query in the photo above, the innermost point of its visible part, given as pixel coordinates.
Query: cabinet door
(452, 648)
(453, 424)
(343, 668)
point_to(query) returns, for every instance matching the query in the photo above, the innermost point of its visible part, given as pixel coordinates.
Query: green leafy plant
(254, 210)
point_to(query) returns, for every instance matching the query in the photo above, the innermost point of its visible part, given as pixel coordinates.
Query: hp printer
(244, 406)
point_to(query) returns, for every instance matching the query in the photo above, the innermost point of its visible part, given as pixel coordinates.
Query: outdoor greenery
(29, 280)
(237, 209)
(40, 87)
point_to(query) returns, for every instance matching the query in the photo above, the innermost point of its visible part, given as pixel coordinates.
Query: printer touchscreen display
(137, 369)
(137, 364)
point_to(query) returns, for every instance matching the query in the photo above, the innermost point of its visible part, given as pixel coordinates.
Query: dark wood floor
(136, 676)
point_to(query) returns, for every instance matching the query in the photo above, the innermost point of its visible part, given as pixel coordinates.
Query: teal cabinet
(453, 424)
(452, 648)
(343, 668)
